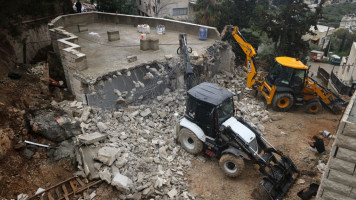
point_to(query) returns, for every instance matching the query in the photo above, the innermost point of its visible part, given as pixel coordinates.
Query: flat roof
(104, 56)
(210, 93)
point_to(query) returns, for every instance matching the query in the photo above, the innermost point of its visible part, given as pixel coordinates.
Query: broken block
(168, 57)
(122, 183)
(131, 58)
(82, 27)
(91, 138)
(107, 155)
(154, 44)
(144, 44)
(113, 35)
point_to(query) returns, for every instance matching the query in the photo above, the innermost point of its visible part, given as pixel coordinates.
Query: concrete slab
(104, 56)
(91, 138)
(122, 183)
(107, 155)
(88, 154)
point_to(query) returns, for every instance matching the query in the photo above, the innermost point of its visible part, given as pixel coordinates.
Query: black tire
(314, 107)
(190, 142)
(231, 165)
(282, 102)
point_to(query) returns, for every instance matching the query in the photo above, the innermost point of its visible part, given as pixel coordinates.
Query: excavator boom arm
(247, 49)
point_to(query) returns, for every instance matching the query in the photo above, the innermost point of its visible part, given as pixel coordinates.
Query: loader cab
(288, 72)
(208, 106)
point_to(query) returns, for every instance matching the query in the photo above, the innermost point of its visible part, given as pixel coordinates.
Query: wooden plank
(80, 182)
(52, 187)
(58, 193)
(84, 187)
(65, 192)
(50, 196)
(72, 186)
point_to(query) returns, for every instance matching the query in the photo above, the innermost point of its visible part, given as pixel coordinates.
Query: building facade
(348, 22)
(343, 80)
(174, 9)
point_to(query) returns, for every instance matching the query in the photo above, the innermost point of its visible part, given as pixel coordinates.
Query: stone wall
(65, 45)
(339, 178)
(98, 17)
(103, 93)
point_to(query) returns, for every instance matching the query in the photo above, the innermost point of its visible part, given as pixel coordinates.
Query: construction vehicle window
(274, 73)
(226, 110)
(298, 78)
(191, 107)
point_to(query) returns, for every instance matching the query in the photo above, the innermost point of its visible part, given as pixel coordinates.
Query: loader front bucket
(279, 178)
(335, 105)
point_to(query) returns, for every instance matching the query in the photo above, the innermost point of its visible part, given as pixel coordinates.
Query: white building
(320, 38)
(347, 72)
(343, 78)
(348, 21)
(175, 9)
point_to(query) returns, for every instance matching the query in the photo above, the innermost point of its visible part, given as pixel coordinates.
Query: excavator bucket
(278, 179)
(278, 169)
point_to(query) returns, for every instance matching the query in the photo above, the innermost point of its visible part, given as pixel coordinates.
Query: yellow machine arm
(249, 51)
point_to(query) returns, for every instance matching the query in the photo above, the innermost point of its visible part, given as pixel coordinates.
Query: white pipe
(33, 143)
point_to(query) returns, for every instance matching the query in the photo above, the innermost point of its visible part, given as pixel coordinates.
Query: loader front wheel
(314, 107)
(190, 142)
(282, 102)
(231, 165)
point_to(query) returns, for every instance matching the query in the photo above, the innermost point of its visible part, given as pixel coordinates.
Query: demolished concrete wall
(142, 81)
(338, 180)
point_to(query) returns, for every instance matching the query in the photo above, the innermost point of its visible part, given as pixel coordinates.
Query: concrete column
(113, 35)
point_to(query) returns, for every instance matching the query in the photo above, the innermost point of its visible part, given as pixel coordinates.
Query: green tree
(286, 25)
(122, 6)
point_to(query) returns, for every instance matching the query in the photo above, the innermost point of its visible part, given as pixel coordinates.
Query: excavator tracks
(71, 188)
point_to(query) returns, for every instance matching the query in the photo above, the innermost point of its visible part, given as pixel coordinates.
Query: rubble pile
(133, 148)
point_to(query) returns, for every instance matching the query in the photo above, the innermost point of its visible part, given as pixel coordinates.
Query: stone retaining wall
(339, 178)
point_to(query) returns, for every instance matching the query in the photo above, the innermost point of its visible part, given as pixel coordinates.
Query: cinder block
(144, 44)
(113, 35)
(82, 27)
(342, 178)
(154, 44)
(328, 195)
(346, 154)
(349, 129)
(353, 193)
(346, 142)
(336, 187)
(342, 166)
(149, 44)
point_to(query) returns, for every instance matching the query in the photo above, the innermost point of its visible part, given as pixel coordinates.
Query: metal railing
(340, 87)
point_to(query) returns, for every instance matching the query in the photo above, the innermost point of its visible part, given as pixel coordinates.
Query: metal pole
(24, 49)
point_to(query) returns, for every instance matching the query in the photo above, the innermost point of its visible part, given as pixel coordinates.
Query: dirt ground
(19, 174)
(290, 135)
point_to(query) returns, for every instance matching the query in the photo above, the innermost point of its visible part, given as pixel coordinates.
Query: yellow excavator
(287, 82)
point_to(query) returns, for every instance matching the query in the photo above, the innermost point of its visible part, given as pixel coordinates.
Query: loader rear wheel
(231, 165)
(314, 107)
(189, 141)
(282, 102)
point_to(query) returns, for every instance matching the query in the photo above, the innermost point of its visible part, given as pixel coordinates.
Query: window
(226, 110)
(180, 11)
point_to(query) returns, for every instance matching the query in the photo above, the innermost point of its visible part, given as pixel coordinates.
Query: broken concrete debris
(107, 155)
(91, 138)
(122, 183)
(133, 148)
(131, 58)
